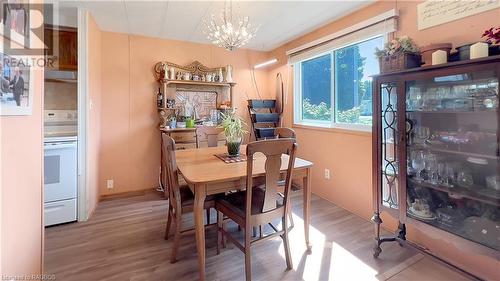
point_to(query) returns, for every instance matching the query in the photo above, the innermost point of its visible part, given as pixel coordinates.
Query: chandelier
(232, 32)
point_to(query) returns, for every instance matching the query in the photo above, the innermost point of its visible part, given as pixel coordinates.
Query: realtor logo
(23, 27)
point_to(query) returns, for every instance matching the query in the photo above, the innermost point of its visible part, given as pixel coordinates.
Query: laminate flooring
(123, 240)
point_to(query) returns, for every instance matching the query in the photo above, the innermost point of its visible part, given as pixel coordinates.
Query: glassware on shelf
(431, 167)
(431, 99)
(449, 175)
(414, 101)
(418, 164)
(464, 178)
(441, 172)
(493, 182)
(422, 134)
(443, 93)
(490, 103)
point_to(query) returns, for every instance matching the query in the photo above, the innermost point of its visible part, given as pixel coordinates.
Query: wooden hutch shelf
(458, 152)
(212, 85)
(196, 83)
(461, 192)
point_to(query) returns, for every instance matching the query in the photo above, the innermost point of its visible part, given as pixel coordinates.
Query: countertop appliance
(60, 167)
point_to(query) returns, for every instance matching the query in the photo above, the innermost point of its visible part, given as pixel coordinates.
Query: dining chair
(181, 199)
(283, 132)
(211, 134)
(280, 133)
(262, 205)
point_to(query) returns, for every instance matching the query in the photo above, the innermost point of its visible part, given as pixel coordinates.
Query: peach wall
(130, 146)
(95, 94)
(347, 154)
(21, 156)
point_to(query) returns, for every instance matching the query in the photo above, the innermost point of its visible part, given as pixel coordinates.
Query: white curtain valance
(380, 25)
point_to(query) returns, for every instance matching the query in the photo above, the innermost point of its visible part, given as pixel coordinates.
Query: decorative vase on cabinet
(436, 158)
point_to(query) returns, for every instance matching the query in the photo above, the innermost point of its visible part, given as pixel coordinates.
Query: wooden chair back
(211, 134)
(272, 150)
(168, 145)
(164, 177)
(283, 132)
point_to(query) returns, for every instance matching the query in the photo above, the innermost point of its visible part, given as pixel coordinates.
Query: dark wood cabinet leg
(377, 220)
(400, 238)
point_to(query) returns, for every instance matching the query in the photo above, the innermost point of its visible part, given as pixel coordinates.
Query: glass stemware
(442, 95)
(449, 175)
(422, 134)
(464, 178)
(417, 163)
(430, 164)
(441, 172)
(414, 101)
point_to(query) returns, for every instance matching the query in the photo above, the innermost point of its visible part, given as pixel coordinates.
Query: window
(316, 88)
(334, 89)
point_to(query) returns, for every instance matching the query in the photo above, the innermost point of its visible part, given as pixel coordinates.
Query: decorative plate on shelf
(420, 216)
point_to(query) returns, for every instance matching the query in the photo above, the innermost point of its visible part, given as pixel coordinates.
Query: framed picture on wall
(16, 81)
(14, 21)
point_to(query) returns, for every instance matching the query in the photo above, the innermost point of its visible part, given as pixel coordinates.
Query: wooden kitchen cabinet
(62, 47)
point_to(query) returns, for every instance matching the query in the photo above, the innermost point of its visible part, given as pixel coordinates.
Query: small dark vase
(233, 148)
(463, 52)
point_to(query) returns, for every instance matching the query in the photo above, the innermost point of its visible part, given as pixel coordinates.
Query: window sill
(362, 130)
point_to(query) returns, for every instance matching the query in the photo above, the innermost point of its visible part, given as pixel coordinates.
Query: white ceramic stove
(60, 166)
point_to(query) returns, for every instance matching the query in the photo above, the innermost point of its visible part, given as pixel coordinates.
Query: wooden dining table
(206, 174)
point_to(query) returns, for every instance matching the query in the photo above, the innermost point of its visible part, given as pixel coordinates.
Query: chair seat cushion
(236, 201)
(187, 197)
(295, 186)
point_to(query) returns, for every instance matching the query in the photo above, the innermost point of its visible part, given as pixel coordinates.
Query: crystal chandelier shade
(231, 32)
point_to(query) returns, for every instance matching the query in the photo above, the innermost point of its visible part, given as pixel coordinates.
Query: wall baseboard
(126, 194)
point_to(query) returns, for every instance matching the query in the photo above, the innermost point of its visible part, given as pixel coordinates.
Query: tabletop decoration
(231, 159)
(233, 130)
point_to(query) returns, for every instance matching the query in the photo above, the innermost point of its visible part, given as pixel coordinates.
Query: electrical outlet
(327, 174)
(109, 184)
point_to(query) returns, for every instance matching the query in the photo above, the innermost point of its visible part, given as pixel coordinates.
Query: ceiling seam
(126, 17)
(164, 23)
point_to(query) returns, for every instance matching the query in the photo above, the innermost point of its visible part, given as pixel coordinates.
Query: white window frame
(297, 90)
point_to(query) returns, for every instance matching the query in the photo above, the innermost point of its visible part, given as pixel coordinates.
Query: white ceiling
(280, 21)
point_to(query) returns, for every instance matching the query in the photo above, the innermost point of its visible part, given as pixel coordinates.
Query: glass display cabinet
(436, 162)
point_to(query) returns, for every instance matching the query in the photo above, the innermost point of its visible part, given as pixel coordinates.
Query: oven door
(60, 172)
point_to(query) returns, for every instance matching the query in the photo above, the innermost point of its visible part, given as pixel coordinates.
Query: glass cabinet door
(389, 143)
(452, 151)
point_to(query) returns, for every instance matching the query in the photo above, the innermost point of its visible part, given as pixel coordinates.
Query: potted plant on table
(398, 54)
(234, 129)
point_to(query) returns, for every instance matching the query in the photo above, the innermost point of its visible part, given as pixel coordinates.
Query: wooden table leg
(306, 188)
(199, 201)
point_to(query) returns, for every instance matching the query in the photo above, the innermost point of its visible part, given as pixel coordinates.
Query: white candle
(439, 57)
(478, 50)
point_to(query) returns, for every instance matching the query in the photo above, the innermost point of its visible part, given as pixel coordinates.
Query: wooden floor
(123, 240)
